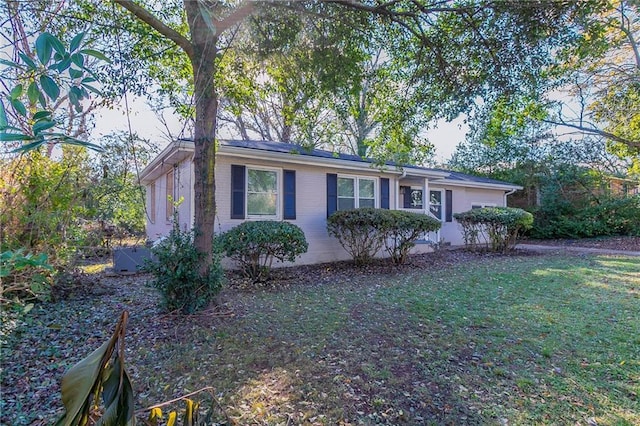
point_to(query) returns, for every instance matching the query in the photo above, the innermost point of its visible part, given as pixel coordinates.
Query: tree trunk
(204, 41)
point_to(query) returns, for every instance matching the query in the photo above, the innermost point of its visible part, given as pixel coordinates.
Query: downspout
(506, 194)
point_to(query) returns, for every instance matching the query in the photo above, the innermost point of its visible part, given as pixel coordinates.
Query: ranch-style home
(280, 181)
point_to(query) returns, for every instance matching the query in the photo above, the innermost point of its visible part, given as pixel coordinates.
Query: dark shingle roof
(289, 148)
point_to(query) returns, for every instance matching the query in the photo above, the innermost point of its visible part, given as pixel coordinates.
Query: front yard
(454, 338)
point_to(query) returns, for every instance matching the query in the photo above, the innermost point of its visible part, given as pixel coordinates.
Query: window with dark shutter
(332, 193)
(237, 191)
(384, 193)
(289, 194)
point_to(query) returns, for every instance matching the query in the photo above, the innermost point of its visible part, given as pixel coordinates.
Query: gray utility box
(129, 260)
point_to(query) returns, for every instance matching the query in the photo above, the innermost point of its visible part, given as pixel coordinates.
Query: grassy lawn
(551, 339)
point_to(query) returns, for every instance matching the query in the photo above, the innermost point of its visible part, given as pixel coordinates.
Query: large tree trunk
(204, 42)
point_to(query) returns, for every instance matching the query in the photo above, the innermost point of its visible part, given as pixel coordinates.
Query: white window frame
(483, 205)
(356, 190)
(279, 190)
(442, 204)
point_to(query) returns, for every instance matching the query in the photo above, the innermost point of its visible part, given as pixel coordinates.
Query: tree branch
(148, 18)
(597, 132)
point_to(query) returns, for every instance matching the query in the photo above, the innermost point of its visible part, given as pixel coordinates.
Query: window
(435, 203)
(411, 197)
(481, 205)
(170, 197)
(355, 192)
(152, 202)
(262, 192)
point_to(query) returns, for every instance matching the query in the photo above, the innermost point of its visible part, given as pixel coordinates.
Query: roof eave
(173, 154)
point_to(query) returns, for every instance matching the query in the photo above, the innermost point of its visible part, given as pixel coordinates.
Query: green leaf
(78, 59)
(27, 60)
(19, 107)
(3, 117)
(76, 41)
(74, 73)
(43, 125)
(30, 146)
(42, 100)
(80, 381)
(12, 137)
(57, 44)
(62, 138)
(63, 64)
(43, 48)
(96, 54)
(11, 64)
(91, 88)
(16, 92)
(74, 97)
(50, 87)
(41, 114)
(33, 93)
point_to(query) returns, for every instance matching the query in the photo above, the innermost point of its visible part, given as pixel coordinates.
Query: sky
(144, 122)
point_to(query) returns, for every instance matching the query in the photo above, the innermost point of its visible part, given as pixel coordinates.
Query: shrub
(24, 276)
(358, 231)
(497, 227)
(363, 232)
(177, 274)
(604, 216)
(401, 229)
(255, 244)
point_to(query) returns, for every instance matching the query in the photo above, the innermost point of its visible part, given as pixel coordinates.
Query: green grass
(528, 340)
(519, 340)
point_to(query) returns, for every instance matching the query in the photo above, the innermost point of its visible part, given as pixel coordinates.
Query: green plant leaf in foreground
(82, 382)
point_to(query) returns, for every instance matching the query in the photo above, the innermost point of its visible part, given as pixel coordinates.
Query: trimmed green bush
(495, 227)
(401, 230)
(255, 244)
(363, 232)
(176, 271)
(359, 232)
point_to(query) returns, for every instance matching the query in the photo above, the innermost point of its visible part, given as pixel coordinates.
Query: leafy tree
(456, 51)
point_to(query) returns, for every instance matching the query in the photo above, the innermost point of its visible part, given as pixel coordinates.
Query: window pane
(436, 197)
(435, 203)
(262, 181)
(366, 187)
(262, 192)
(416, 198)
(261, 204)
(366, 202)
(345, 187)
(436, 211)
(346, 203)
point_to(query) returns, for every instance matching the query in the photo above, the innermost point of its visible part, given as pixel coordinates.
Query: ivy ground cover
(451, 338)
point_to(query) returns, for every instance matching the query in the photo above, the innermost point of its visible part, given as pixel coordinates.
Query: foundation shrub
(254, 245)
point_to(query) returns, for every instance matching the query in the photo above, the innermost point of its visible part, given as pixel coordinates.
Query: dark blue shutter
(384, 193)
(289, 194)
(332, 193)
(237, 191)
(448, 205)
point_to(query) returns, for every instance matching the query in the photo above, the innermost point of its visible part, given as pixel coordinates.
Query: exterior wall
(311, 203)
(463, 199)
(182, 189)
